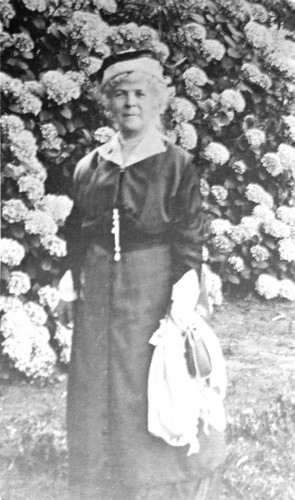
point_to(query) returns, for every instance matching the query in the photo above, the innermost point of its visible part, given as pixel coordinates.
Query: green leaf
(235, 53)
(198, 18)
(66, 112)
(64, 58)
(17, 231)
(28, 55)
(233, 279)
(5, 273)
(39, 22)
(45, 115)
(46, 264)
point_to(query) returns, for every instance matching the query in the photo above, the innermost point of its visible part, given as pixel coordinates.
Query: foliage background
(231, 65)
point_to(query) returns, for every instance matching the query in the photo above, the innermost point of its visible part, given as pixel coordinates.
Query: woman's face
(133, 106)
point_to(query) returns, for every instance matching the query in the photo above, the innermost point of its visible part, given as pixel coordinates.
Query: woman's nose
(130, 99)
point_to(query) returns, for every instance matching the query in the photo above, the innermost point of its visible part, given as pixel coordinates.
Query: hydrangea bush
(231, 69)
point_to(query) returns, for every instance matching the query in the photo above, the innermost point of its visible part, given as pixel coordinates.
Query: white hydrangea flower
(216, 153)
(277, 228)
(182, 109)
(54, 245)
(50, 135)
(160, 49)
(171, 135)
(237, 263)
(263, 213)
(255, 137)
(239, 167)
(49, 297)
(286, 214)
(14, 211)
(258, 12)
(91, 65)
(10, 303)
(194, 77)
(107, 5)
(39, 5)
(63, 335)
(257, 194)
(253, 74)
(29, 103)
(12, 252)
(39, 222)
(259, 253)
(204, 188)
(7, 11)
(281, 62)
(267, 286)
(257, 35)
(57, 206)
(237, 8)
(287, 289)
(23, 146)
(191, 33)
(103, 134)
(220, 226)
(220, 193)
(60, 87)
(36, 169)
(289, 121)
(250, 226)
(280, 54)
(27, 344)
(232, 99)
(36, 313)
(19, 283)
(287, 155)
(222, 243)
(187, 135)
(213, 49)
(195, 93)
(286, 248)
(14, 171)
(272, 163)
(213, 286)
(237, 234)
(89, 28)
(33, 87)
(12, 125)
(10, 86)
(32, 186)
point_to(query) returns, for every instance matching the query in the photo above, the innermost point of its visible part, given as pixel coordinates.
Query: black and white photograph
(147, 306)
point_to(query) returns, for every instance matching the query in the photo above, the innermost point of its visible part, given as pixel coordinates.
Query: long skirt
(112, 456)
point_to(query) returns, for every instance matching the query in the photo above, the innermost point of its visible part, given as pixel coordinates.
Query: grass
(258, 339)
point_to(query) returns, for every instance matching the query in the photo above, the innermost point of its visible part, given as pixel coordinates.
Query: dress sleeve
(74, 244)
(188, 224)
(76, 241)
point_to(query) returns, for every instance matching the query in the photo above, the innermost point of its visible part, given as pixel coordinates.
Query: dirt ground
(258, 339)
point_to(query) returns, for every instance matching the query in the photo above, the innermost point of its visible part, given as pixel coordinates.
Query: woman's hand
(65, 312)
(185, 294)
(68, 295)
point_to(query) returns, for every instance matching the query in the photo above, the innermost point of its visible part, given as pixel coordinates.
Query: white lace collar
(151, 144)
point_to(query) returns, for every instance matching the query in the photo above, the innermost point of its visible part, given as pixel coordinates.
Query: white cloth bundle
(178, 402)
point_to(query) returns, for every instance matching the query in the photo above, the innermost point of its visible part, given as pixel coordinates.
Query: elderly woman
(134, 234)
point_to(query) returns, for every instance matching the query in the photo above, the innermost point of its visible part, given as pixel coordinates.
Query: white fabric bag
(178, 402)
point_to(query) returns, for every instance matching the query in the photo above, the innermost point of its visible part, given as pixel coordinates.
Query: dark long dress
(111, 454)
